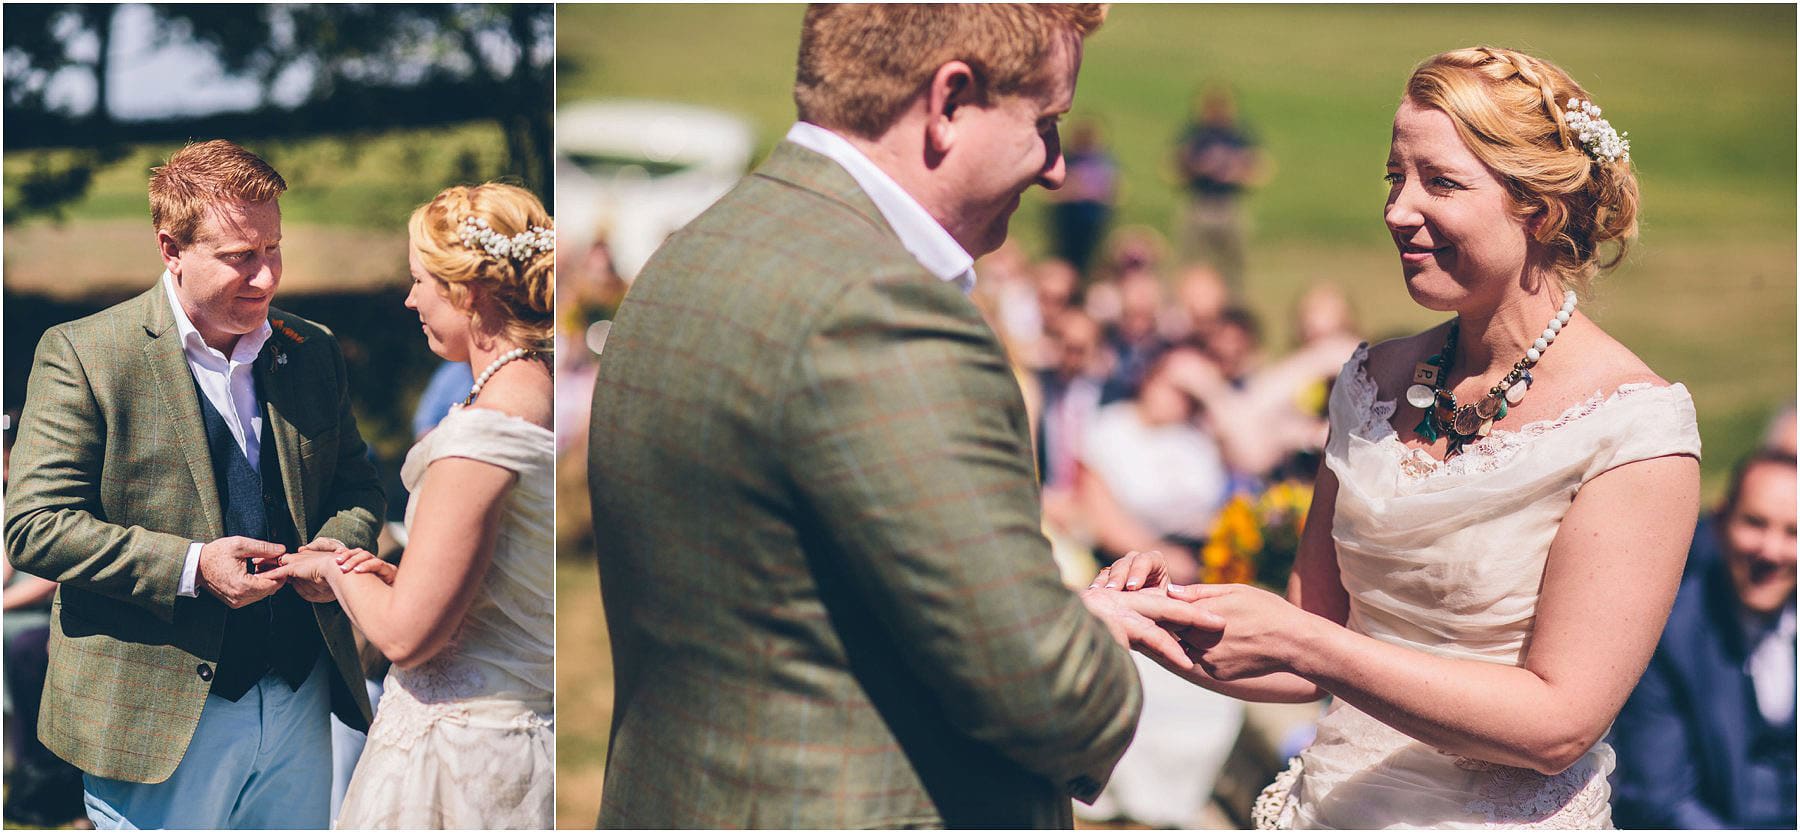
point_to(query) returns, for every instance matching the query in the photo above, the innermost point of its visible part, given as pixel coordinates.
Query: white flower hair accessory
(1597, 135)
(476, 235)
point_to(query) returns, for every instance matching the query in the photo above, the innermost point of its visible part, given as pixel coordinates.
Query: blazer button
(205, 672)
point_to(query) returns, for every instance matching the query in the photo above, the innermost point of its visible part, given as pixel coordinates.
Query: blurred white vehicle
(638, 170)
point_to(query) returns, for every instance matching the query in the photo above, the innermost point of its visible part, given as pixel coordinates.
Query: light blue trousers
(263, 762)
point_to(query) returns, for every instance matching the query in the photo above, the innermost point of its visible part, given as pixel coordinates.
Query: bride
(1507, 498)
(463, 736)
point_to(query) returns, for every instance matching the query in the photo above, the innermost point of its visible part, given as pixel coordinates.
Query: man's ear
(170, 251)
(952, 88)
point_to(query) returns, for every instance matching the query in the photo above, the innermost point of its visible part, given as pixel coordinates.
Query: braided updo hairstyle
(1508, 107)
(521, 287)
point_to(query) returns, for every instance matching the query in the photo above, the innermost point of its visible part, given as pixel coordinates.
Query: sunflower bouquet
(1255, 536)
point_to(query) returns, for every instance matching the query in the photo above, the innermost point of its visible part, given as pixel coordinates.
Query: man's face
(1078, 344)
(1758, 535)
(1008, 146)
(227, 276)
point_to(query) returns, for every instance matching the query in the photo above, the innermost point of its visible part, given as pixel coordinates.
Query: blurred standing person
(1081, 210)
(1217, 160)
(1706, 741)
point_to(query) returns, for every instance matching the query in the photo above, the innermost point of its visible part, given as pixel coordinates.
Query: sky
(156, 81)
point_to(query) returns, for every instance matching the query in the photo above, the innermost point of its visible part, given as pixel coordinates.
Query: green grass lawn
(1707, 93)
(364, 180)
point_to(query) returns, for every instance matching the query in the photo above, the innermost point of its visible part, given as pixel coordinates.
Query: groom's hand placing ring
(224, 570)
(1142, 621)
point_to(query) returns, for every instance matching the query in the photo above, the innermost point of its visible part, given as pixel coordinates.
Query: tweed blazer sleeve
(905, 433)
(54, 527)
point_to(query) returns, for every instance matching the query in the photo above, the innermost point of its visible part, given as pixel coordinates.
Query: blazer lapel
(181, 405)
(280, 403)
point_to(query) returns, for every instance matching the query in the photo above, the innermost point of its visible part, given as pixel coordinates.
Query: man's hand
(319, 590)
(1136, 620)
(224, 570)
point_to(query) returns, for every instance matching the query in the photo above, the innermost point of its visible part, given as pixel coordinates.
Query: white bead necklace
(515, 353)
(1466, 423)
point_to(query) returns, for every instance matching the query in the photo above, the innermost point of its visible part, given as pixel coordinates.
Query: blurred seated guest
(1082, 207)
(1151, 477)
(1135, 339)
(1069, 399)
(1234, 344)
(1779, 437)
(1131, 249)
(448, 385)
(42, 790)
(1323, 313)
(1707, 738)
(1058, 290)
(1275, 425)
(1007, 293)
(1201, 300)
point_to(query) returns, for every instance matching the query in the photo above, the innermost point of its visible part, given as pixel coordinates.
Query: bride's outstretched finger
(1101, 578)
(1197, 592)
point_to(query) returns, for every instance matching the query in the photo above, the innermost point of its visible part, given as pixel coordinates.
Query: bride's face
(446, 326)
(1460, 243)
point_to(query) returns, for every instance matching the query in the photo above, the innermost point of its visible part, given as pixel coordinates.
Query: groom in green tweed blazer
(829, 598)
(168, 444)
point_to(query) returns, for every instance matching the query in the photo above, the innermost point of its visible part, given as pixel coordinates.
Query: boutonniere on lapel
(281, 328)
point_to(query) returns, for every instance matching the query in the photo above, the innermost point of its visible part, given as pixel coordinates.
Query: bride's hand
(363, 561)
(1135, 571)
(305, 566)
(1262, 635)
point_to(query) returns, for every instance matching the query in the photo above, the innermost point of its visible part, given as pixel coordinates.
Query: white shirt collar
(919, 232)
(248, 344)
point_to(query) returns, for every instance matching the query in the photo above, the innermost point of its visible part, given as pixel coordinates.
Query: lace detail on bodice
(1520, 798)
(1375, 421)
(1274, 808)
(418, 699)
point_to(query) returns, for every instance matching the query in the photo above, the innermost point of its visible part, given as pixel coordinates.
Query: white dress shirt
(919, 232)
(1771, 664)
(227, 383)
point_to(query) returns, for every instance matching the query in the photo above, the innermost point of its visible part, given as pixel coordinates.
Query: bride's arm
(1611, 576)
(448, 551)
(1314, 587)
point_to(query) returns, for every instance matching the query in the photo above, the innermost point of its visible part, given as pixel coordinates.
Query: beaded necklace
(1467, 423)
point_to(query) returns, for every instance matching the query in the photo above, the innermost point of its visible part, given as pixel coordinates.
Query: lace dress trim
(1275, 806)
(1487, 454)
(1522, 799)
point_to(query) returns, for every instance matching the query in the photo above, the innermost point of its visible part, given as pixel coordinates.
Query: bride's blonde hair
(522, 285)
(1508, 107)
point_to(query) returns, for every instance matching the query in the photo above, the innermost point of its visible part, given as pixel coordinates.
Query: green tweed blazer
(111, 480)
(829, 599)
